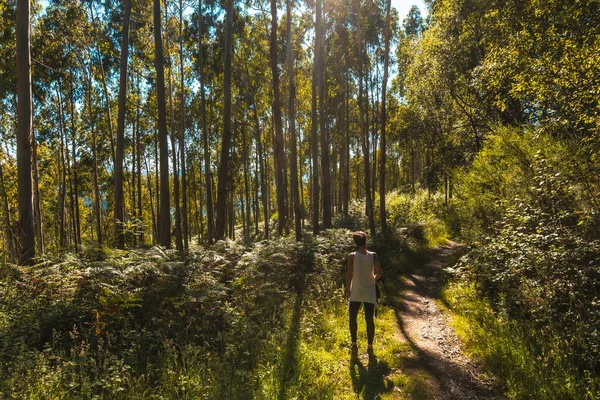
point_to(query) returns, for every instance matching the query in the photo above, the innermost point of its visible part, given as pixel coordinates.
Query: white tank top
(362, 287)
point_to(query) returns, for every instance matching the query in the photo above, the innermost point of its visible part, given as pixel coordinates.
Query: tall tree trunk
(346, 151)
(261, 166)
(135, 127)
(154, 223)
(246, 156)
(10, 240)
(314, 123)
(92, 117)
(255, 193)
(173, 135)
(77, 223)
(178, 238)
(69, 177)
(24, 135)
(226, 139)
(37, 209)
(164, 218)
(364, 127)
(139, 149)
(63, 170)
(207, 176)
(292, 122)
(281, 209)
(382, 151)
(184, 213)
(118, 174)
(301, 173)
(325, 163)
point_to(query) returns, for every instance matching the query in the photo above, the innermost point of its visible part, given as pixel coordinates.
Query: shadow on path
(434, 348)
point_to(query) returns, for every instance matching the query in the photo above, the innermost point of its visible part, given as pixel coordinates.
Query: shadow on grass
(289, 372)
(369, 380)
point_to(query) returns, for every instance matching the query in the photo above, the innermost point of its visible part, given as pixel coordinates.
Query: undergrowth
(267, 320)
(529, 366)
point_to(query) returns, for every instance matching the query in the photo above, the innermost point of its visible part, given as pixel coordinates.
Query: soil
(437, 354)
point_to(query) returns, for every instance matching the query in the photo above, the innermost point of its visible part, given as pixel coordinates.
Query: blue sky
(403, 6)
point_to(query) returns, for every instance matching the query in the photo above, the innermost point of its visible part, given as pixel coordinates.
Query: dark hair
(360, 238)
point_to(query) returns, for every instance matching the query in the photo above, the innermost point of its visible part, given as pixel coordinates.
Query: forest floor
(417, 354)
(435, 355)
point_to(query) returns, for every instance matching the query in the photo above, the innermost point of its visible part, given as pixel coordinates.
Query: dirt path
(435, 353)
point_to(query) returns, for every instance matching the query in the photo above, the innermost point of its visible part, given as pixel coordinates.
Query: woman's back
(363, 278)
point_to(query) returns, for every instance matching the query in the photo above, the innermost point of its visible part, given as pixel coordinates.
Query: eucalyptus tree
(323, 117)
(314, 138)
(207, 169)
(227, 134)
(164, 218)
(382, 156)
(279, 168)
(118, 167)
(292, 125)
(24, 134)
(363, 107)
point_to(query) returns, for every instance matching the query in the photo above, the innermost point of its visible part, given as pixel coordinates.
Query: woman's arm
(349, 273)
(378, 270)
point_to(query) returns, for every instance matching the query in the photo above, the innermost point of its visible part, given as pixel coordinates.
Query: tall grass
(530, 365)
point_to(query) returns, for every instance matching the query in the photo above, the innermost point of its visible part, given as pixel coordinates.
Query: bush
(539, 266)
(423, 217)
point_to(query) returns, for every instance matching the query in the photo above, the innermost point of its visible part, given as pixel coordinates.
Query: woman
(363, 272)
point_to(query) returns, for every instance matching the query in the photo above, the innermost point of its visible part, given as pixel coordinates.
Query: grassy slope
(323, 366)
(528, 368)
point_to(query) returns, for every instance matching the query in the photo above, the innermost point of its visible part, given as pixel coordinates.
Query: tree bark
(184, 213)
(209, 195)
(37, 209)
(98, 221)
(292, 122)
(63, 171)
(261, 166)
(325, 156)
(118, 174)
(24, 135)
(246, 155)
(346, 152)
(382, 151)
(226, 139)
(154, 223)
(164, 219)
(314, 123)
(178, 238)
(364, 128)
(77, 223)
(279, 169)
(139, 148)
(10, 240)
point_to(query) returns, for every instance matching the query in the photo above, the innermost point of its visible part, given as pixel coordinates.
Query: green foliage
(423, 217)
(138, 320)
(536, 262)
(248, 322)
(502, 172)
(529, 366)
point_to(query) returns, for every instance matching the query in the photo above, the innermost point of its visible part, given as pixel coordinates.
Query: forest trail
(433, 354)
